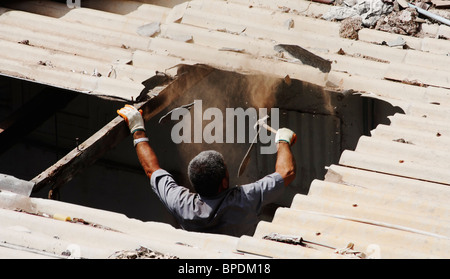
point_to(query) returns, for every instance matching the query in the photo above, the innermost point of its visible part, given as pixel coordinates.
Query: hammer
(260, 123)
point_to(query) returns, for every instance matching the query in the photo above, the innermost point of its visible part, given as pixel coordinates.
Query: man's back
(232, 212)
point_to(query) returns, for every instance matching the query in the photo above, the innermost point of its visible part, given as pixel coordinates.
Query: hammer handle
(269, 128)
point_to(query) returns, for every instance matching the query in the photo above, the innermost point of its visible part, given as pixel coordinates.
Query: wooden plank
(117, 130)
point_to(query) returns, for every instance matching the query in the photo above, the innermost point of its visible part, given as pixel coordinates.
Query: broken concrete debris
(430, 15)
(186, 38)
(393, 16)
(149, 30)
(349, 28)
(402, 22)
(397, 42)
(370, 11)
(402, 3)
(140, 253)
(441, 4)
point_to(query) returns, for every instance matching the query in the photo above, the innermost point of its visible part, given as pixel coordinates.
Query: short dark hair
(206, 172)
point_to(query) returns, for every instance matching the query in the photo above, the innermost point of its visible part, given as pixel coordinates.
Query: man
(215, 207)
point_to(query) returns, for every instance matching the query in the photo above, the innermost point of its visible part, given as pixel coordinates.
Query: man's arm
(285, 164)
(145, 153)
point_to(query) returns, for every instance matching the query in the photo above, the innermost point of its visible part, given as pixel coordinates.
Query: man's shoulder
(160, 172)
(274, 178)
(161, 177)
(163, 184)
(266, 183)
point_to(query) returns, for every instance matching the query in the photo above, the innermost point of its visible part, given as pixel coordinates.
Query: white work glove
(133, 117)
(285, 134)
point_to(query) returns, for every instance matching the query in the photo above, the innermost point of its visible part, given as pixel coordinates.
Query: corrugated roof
(388, 197)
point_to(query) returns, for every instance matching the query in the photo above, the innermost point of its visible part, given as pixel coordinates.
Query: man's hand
(286, 135)
(133, 117)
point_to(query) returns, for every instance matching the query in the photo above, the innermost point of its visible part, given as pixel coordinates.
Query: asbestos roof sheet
(388, 197)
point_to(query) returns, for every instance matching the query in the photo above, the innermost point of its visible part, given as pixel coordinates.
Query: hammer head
(260, 121)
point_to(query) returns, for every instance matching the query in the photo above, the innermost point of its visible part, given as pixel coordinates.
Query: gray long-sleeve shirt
(232, 212)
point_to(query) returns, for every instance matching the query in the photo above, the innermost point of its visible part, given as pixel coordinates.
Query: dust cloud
(222, 89)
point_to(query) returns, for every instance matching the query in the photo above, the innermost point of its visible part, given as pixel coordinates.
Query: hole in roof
(326, 122)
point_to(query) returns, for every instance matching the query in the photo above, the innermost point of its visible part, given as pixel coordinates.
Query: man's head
(208, 173)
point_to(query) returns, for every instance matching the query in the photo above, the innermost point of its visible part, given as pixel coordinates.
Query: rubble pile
(394, 16)
(140, 253)
(370, 11)
(402, 22)
(349, 28)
